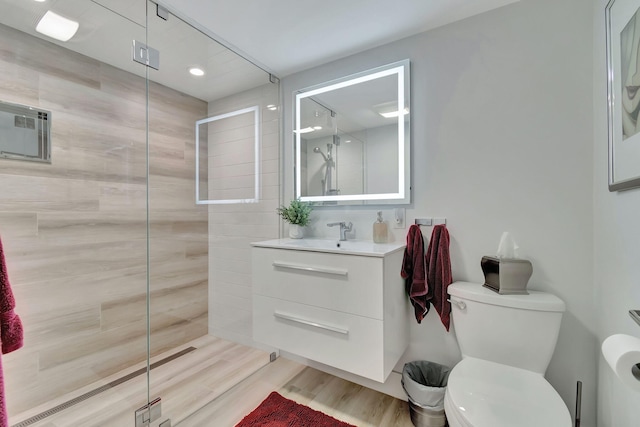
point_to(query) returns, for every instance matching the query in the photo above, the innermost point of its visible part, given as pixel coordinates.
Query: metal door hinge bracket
(148, 413)
(146, 55)
(162, 12)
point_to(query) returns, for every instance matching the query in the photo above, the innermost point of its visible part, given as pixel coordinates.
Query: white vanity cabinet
(341, 306)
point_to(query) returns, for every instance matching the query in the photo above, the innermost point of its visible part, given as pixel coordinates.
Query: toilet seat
(486, 394)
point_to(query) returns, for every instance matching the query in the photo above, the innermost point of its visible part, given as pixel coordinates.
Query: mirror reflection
(352, 138)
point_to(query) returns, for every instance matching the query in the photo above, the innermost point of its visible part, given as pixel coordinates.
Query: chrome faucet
(344, 228)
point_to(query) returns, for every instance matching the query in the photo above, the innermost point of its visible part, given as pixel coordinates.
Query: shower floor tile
(216, 385)
(185, 384)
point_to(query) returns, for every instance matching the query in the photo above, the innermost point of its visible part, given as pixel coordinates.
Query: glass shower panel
(75, 231)
(213, 189)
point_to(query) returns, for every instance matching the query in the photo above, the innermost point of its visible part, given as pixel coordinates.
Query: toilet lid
(487, 394)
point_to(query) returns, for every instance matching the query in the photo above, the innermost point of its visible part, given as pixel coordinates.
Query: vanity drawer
(346, 283)
(345, 341)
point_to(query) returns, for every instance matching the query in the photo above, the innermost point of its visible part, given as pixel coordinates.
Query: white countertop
(349, 247)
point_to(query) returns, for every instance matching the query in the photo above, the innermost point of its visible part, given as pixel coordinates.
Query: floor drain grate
(41, 416)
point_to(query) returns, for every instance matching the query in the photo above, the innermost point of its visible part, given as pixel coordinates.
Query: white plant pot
(296, 231)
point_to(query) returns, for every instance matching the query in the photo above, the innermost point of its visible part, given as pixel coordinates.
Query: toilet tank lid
(536, 300)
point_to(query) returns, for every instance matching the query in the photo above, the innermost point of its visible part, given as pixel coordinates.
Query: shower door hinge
(146, 55)
(162, 12)
(149, 413)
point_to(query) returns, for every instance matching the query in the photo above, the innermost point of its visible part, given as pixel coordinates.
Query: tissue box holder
(506, 276)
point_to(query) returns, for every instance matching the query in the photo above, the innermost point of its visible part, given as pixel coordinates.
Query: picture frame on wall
(623, 93)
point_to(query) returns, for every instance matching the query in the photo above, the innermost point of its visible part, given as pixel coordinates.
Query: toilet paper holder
(635, 315)
(622, 354)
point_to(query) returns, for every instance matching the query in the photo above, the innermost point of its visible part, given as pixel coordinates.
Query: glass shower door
(211, 113)
(75, 229)
(129, 253)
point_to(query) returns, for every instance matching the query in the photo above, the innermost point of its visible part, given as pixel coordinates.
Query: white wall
(382, 159)
(502, 140)
(233, 227)
(349, 166)
(617, 254)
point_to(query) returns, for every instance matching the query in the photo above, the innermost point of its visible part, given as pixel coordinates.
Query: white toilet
(506, 342)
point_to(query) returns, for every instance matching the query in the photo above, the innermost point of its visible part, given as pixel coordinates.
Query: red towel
(439, 272)
(10, 329)
(414, 273)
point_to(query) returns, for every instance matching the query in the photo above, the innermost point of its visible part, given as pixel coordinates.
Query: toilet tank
(514, 330)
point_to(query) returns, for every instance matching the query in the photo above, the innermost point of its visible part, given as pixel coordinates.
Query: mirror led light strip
(256, 112)
(400, 72)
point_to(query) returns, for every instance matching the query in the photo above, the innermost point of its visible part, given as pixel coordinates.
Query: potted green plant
(297, 215)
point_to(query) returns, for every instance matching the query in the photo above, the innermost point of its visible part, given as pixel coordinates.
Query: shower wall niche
(75, 231)
(25, 133)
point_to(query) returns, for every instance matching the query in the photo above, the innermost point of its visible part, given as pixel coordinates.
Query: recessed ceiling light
(57, 27)
(272, 107)
(41, 1)
(317, 127)
(196, 71)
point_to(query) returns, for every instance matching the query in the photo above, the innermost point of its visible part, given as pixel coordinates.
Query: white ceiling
(107, 28)
(282, 36)
(286, 36)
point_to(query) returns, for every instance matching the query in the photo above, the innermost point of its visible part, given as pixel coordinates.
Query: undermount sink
(349, 247)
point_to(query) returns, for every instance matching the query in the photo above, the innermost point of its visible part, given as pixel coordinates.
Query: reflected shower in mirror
(352, 138)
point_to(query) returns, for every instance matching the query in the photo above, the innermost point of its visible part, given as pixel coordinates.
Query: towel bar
(430, 221)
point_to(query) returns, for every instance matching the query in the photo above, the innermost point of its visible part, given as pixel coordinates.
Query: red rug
(276, 411)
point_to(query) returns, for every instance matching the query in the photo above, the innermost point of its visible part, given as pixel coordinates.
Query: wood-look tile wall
(75, 233)
(233, 227)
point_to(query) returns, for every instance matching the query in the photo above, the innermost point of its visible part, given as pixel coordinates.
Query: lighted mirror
(352, 139)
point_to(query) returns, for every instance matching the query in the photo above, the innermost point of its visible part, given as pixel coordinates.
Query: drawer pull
(325, 270)
(310, 323)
